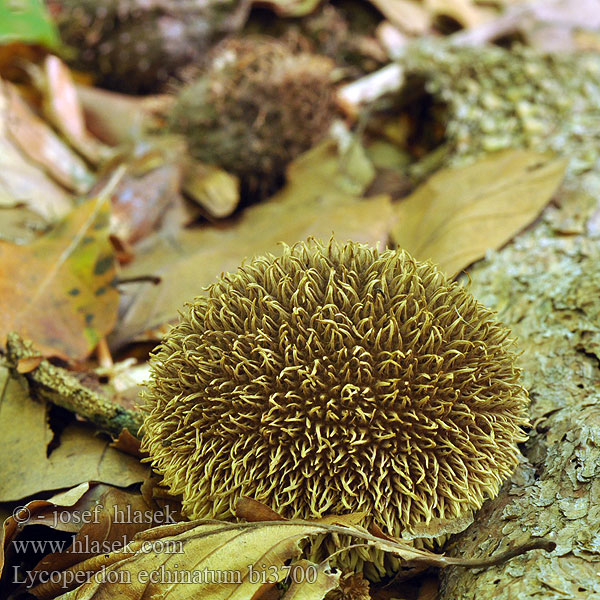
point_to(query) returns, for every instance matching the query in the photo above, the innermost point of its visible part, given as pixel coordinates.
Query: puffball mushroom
(334, 379)
(256, 107)
(139, 46)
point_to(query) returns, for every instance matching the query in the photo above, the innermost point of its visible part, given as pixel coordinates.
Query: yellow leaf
(217, 560)
(59, 291)
(322, 197)
(227, 561)
(29, 468)
(460, 213)
(310, 581)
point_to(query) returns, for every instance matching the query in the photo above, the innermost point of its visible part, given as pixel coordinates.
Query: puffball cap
(335, 378)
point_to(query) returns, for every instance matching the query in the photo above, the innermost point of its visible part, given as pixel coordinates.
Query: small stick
(103, 354)
(58, 386)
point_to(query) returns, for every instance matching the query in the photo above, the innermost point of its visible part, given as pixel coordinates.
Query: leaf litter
(452, 219)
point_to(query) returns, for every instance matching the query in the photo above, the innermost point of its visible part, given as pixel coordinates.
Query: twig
(154, 279)
(58, 386)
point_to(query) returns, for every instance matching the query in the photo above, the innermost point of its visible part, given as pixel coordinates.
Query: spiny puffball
(335, 378)
(256, 107)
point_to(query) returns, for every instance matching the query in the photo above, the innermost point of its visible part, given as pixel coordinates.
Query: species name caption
(253, 573)
(114, 575)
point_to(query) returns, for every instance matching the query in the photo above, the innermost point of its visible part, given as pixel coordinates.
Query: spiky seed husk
(333, 379)
(258, 106)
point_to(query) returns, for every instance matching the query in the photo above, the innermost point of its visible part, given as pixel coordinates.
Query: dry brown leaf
(322, 198)
(37, 512)
(23, 182)
(246, 557)
(64, 110)
(255, 511)
(118, 118)
(107, 519)
(143, 199)
(128, 444)
(460, 213)
(38, 142)
(80, 456)
(429, 589)
(59, 291)
(310, 581)
(29, 363)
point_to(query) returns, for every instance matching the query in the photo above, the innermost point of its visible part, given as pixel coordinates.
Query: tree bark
(546, 286)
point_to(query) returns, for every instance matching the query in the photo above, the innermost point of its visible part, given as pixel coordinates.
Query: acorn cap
(334, 379)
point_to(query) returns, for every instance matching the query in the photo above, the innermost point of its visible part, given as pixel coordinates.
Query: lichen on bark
(491, 98)
(545, 287)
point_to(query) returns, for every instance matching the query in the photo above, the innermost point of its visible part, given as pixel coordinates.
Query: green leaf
(27, 21)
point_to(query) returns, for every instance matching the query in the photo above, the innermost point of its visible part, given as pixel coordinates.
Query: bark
(546, 286)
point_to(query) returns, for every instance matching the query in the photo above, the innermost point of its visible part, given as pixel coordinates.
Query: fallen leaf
(220, 560)
(19, 224)
(27, 21)
(29, 467)
(128, 444)
(119, 118)
(37, 512)
(26, 445)
(24, 182)
(59, 291)
(28, 364)
(38, 142)
(106, 519)
(223, 561)
(310, 581)
(63, 108)
(254, 511)
(460, 213)
(429, 589)
(142, 200)
(321, 199)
